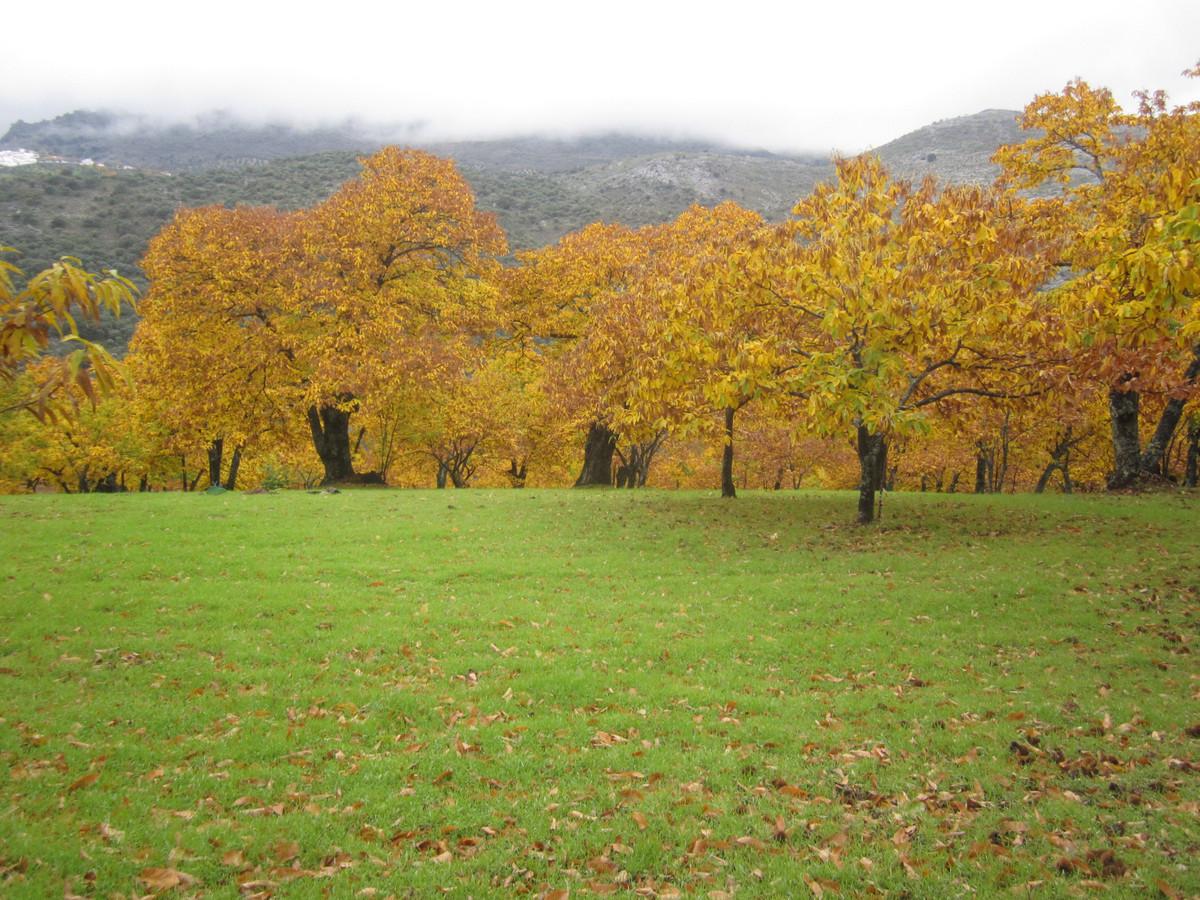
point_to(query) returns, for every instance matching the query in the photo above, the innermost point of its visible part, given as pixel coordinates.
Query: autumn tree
(553, 298)
(1130, 297)
(214, 354)
(46, 310)
(896, 298)
(720, 343)
(394, 253)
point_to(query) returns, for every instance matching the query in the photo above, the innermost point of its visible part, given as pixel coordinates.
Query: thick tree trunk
(953, 484)
(235, 463)
(516, 473)
(872, 456)
(1123, 412)
(598, 452)
(216, 450)
(727, 486)
(330, 428)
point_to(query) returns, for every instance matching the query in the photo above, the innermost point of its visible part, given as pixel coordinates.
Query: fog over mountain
(792, 78)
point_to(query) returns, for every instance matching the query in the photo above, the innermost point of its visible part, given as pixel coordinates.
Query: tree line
(883, 326)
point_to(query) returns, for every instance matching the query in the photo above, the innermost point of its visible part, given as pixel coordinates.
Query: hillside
(539, 188)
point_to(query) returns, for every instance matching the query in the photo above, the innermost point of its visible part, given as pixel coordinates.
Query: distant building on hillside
(18, 157)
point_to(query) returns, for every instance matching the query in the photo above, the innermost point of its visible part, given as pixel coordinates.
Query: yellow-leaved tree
(1129, 304)
(893, 299)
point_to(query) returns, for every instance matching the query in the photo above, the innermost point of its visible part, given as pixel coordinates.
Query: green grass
(492, 692)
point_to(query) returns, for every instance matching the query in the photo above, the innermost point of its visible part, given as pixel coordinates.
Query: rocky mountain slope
(540, 188)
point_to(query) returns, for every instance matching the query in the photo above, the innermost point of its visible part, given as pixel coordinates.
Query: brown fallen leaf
(285, 851)
(235, 858)
(640, 820)
(84, 782)
(165, 879)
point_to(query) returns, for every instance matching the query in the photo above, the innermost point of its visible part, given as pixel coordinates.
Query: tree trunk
(216, 450)
(1193, 454)
(330, 428)
(1153, 462)
(598, 452)
(235, 463)
(727, 487)
(981, 469)
(1045, 477)
(442, 472)
(1123, 412)
(953, 483)
(516, 473)
(872, 454)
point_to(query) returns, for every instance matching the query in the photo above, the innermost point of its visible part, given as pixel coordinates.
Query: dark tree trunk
(598, 452)
(442, 473)
(516, 473)
(1193, 454)
(1045, 477)
(235, 463)
(1153, 457)
(982, 465)
(183, 479)
(872, 457)
(1123, 411)
(144, 484)
(330, 428)
(216, 450)
(727, 487)
(953, 483)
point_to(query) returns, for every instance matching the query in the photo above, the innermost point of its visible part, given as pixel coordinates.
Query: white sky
(784, 75)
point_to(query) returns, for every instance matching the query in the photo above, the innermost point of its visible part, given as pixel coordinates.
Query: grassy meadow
(567, 693)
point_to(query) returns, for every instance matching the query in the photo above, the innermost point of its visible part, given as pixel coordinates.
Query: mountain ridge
(539, 188)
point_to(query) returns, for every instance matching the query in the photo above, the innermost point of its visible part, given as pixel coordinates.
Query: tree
(214, 355)
(1130, 298)
(553, 299)
(397, 252)
(45, 310)
(712, 347)
(894, 299)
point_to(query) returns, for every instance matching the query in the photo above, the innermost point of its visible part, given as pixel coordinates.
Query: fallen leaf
(86, 781)
(165, 879)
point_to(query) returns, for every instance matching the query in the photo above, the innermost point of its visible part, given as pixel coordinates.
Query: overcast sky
(788, 75)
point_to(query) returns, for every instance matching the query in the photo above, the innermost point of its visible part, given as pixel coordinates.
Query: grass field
(553, 692)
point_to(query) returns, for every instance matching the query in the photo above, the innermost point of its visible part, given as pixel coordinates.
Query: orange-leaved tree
(214, 353)
(397, 253)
